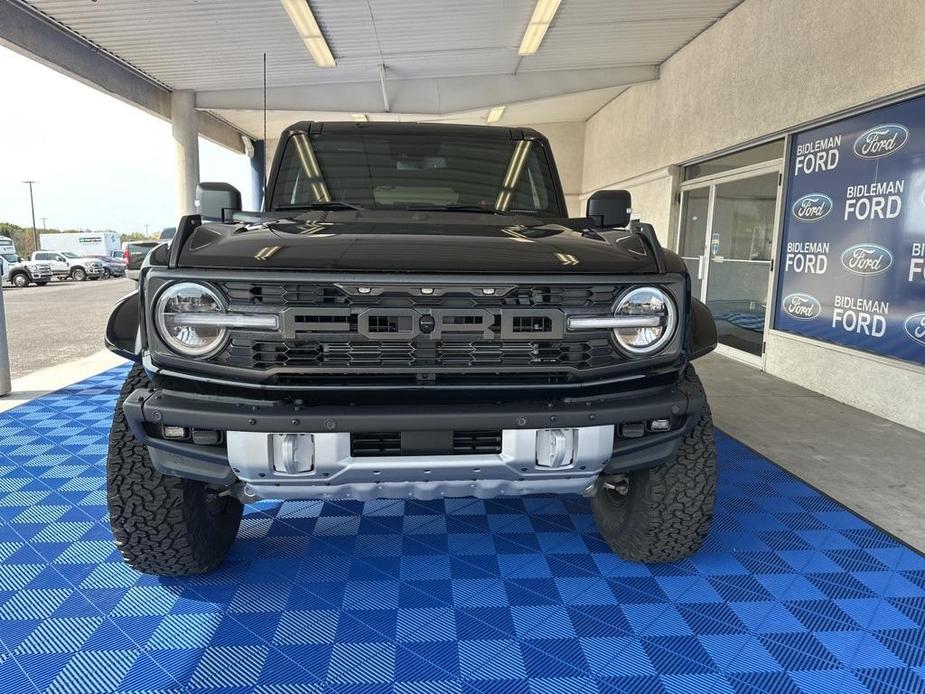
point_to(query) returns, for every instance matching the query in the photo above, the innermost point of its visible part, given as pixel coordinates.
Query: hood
(429, 242)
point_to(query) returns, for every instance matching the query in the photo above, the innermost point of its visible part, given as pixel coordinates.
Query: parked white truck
(65, 264)
(19, 272)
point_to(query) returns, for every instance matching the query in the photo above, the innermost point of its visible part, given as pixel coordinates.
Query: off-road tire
(78, 274)
(20, 279)
(163, 525)
(666, 511)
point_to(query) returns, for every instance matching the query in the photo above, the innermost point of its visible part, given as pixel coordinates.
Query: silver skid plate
(319, 466)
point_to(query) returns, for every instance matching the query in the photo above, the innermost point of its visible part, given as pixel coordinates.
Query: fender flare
(123, 329)
(702, 330)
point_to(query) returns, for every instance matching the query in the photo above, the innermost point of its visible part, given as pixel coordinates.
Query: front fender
(123, 335)
(703, 329)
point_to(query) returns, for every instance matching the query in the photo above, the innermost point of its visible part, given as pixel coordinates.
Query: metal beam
(33, 34)
(437, 96)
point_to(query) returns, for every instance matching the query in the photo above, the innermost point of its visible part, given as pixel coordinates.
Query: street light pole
(35, 235)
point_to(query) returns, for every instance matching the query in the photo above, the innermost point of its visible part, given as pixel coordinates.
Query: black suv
(413, 315)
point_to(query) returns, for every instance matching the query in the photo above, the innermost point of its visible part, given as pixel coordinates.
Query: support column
(258, 173)
(185, 126)
(5, 385)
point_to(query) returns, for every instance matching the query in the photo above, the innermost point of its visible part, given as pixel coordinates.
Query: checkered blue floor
(792, 592)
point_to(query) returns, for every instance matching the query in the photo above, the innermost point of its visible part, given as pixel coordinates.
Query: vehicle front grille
(265, 354)
(425, 334)
(380, 444)
(298, 294)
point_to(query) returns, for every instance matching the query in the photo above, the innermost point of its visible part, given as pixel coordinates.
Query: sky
(100, 163)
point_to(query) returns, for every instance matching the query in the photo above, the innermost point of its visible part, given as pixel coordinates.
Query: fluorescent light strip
(514, 169)
(543, 14)
(304, 21)
(495, 114)
(359, 117)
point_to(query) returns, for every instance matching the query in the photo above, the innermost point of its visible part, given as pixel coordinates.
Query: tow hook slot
(294, 453)
(555, 448)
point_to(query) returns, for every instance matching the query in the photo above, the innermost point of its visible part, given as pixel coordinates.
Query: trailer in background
(83, 244)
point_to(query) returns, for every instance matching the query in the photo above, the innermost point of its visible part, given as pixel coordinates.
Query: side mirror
(611, 207)
(217, 202)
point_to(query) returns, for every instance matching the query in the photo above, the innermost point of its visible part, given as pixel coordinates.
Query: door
(692, 239)
(726, 237)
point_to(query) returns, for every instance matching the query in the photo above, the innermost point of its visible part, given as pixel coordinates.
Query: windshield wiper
(456, 208)
(329, 205)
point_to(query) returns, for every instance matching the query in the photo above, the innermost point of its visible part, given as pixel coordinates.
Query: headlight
(641, 303)
(182, 316)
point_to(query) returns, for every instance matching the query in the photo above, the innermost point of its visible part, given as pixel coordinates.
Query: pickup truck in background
(22, 273)
(65, 264)
(134, 252)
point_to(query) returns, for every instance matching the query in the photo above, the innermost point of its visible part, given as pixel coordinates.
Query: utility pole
(146, 231)
(35, 234)
(44, 226)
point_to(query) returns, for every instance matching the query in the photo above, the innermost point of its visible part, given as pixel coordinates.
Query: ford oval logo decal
(881, 141)
(812, 207)
(915, 327)
(866, 259)
(801, 306)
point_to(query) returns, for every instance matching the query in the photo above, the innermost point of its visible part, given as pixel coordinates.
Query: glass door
(725, 237)
(739, 269)
(695, 205)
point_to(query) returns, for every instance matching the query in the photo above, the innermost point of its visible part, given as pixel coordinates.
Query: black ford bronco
(413, 315)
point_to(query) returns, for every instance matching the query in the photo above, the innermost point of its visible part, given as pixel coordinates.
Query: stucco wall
(768, 66)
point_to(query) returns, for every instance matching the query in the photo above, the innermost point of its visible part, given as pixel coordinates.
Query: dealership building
(782, 154)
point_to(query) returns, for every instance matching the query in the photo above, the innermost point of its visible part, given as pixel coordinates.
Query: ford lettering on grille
(403, 324)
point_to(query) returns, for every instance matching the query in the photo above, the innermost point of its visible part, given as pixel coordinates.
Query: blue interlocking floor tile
(791, 592)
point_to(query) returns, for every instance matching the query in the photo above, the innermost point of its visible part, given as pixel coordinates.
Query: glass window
(755, 155)
(10, 257)
(420, 170)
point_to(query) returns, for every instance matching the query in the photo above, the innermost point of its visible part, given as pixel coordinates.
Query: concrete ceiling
(439, 59)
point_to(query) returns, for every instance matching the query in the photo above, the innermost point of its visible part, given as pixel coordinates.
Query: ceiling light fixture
(543, 14)
(495, 114)
(309, 31)
(359, 117)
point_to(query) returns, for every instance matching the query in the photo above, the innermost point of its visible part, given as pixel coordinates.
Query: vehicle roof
(393, 128)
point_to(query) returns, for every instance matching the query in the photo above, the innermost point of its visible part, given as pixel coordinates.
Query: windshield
(68, 254)
(10, 257)
(419, 170)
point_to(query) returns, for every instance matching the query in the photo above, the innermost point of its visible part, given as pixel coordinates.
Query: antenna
(264, 148)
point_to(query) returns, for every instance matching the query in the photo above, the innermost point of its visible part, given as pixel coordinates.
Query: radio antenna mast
(264, 148)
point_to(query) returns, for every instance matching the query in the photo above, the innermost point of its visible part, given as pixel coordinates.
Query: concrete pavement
(59, 323)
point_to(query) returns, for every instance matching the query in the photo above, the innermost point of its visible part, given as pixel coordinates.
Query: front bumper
(252, 430)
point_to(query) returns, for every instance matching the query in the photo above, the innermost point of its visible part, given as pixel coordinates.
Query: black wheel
(79, 274)
(20, 279)
(662, 514)
(107, 273)
(163, 525)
